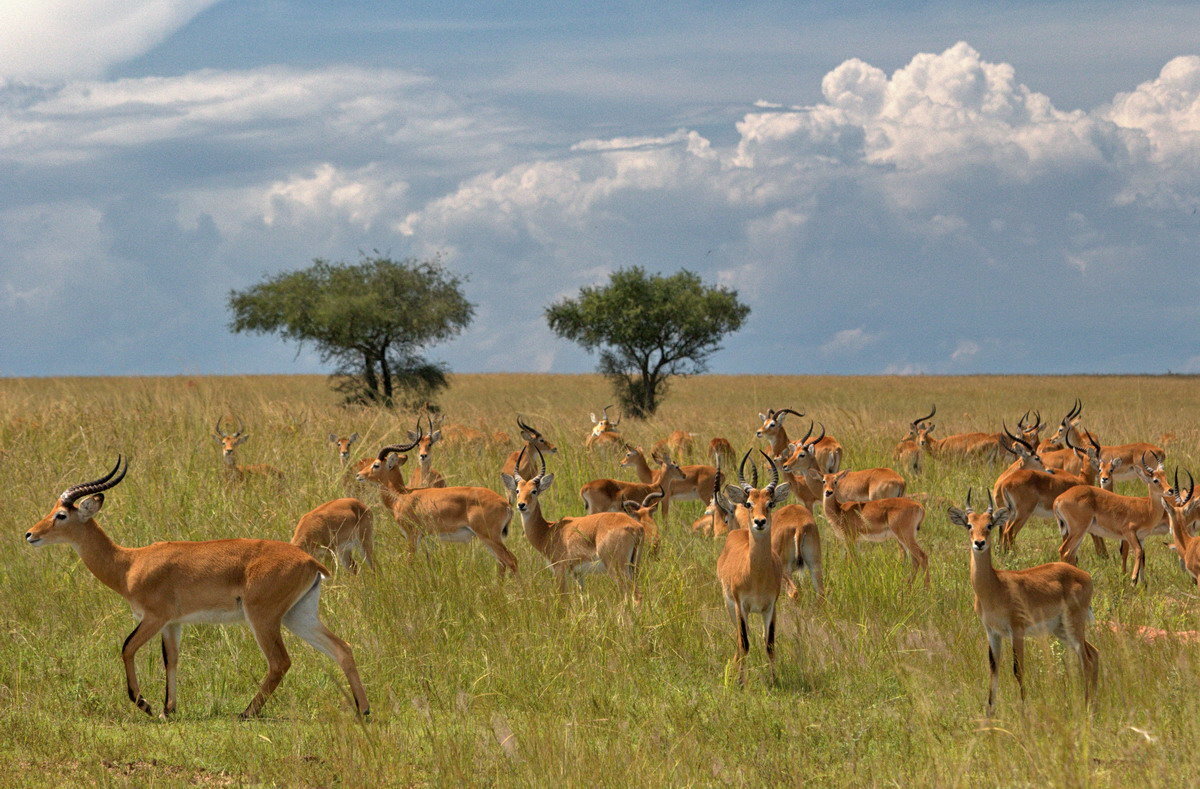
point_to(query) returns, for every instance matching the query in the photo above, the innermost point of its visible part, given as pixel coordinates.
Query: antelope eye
(747, 505)
(60, 515)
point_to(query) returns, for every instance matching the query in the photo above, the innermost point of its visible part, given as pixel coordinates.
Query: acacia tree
(647, 328)
(373, 319)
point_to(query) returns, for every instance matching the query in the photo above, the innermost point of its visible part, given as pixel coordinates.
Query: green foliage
(372, 319)
(647, 329)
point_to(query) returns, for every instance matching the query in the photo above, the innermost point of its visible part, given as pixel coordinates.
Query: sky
(893, 188)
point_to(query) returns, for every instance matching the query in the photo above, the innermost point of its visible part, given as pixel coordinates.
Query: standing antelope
(829, 451)
(750, 572)
(522, 462)
(604, 432)
(610, 495)
(338, 527)
(1181, 510)
(694, 486)
(342, 443)
(719, 449)
(908, 451)
(426, 476)
(873, 521)
(575, 546)
(861, 485)
(229, 460)
(1068, 426)
(261, 583)
(1050, 599)
(679, 444)
(457, 514)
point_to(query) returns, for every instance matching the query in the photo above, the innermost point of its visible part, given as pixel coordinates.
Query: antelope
(229, 460)
(985, 445)
(861, 485)
(1031, 432)
(696, 481)
(604, 432)
(426, 476)
(338, 527)
(261, 583)
(750, 572)
(829, 451)
(1088, 510)
(455, 514)
(1181, 510)
(342, 443)
(1123, 457)
(576, 546)
(609, 495)
(873, 521)
(720, 449)
(1069, 425)
(908, 451)
(679, 444)
(1050, 599)
(534, 440)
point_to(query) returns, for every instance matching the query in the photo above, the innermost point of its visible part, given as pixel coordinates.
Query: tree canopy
(647, 328)
(372, 319)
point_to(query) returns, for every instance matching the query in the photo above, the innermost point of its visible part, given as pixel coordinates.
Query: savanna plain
(477, 680)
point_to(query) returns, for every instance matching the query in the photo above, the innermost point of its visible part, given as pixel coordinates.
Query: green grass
(474, 680)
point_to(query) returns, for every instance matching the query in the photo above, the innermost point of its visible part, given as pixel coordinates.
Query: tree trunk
(369, 376)
(386, 374)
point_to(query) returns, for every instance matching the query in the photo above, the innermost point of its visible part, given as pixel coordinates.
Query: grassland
(474, 680)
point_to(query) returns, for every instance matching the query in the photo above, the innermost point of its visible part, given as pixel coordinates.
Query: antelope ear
(332, 438)
(812, 474)
(630, 506)
(218, 437)
(959, 517)
(353, 437)
(434, 437)
(1000, 517)
(781, 493)
(90, 506)
(413, 436)
(840, 475)
(762, 417)
(525, 434)
(241, 439)
(1117, 462)
(508, 481)
(395, 459)
(545, 483)
(932, 426)
(735, 494)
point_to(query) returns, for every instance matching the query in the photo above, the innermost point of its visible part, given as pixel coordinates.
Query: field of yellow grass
(477, 680)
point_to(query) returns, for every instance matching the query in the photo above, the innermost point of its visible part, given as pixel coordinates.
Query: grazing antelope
(829, 451)
(719, 449)
(908, 451)
(1050, 599)
(610, 495)
(527, 468)
(873, 521)
(338, 527)
(426, 476)
(342, 443)
(229, 460)
(1181, 510)
(604, 432)
(696, 483)
(575, 546)
(1088, 510)
(455, 514)
(981, 445)
(262, 583)
(862, 485)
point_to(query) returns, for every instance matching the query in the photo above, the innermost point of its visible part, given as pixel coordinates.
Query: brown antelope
(1087, 510)
(873, 521)
(719, 449)
(750, 572)
(1050, 599)
(829, 451)
(534, 441)
(610, 541)
(229, 460)
(604, 432)
(262, 583)
(342, 443)
(1182, 509)
(861, 485)
(696, 483)
(1069, 425)
(679, 444)
(979, 445)
(425, 475)
(457, 514)
(1031, 432)
(610, 495)
(338, 527)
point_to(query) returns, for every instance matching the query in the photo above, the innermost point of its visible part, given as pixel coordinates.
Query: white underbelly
(219, 616)
(878, 536)
(461, 534)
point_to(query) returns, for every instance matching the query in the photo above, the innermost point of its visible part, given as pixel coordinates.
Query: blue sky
(893, 187)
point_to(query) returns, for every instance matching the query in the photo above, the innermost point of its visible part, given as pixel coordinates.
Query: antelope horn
(653, 496)
(819, 438)
(1015, 439)
(919, 420)
(1176, 482)
(969, 492)
(398, 448)
(76, 492)
(1191, 487)
(520, 457)
(1148, 469)
(521, 424)
(541, 460)
(1038, 416)
(239, 426)
(1020, 422)
(787, 411)
(1095, 446)
(991, 504)
(774, 472)
(742, 472)
(809, 433)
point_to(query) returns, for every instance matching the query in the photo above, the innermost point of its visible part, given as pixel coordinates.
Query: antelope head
(772, 421)
(980, 524)
(72, 512)
(228, 441)
(527, 490)
(534, 438)
(343, 444)
(758, 502)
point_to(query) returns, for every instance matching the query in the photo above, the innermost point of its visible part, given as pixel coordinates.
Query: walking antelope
(261, 583)
(575, 546)
(861, 485)
(426, 476)
(984, 445)
(1088, 510)
(454, 514)
(338, 527)
(750, 572)
(829, 451)
(1181, 510)
(522, 462)
(610, 495)
(229, 460)
(1050, 599)
(342, 443)
(873, 521)
(604, 432)
(694, 486)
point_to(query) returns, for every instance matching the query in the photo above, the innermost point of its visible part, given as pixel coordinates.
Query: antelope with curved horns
(1088, 510)
(575, 546)
(521, 462)
(1031, 432)
(908, 451)
(1181, 510)
(873, 521)
(1068, 425)
(343, 444)
(338, 527)
(604, 432)
(860, 485)
(265, 584)
(976, 444)
(694, 486)
(609, 495)
(829, 451)
(229, 460)
(1050, 599)
(426, 476)
(453, 514)
(750, 572)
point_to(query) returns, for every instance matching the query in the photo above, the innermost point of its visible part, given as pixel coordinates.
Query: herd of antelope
(270, 584)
